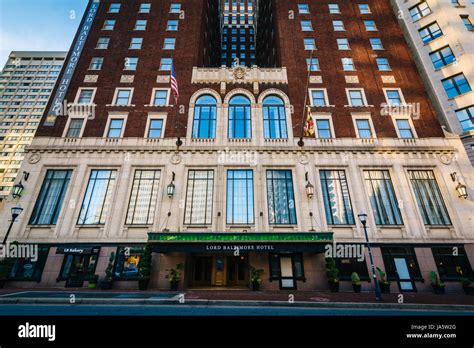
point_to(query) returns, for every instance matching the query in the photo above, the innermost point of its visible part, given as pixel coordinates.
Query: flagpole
(301, 142)
(178, 142)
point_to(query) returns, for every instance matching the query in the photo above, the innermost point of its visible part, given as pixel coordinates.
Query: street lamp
(309, 188)
(363, 221)
(15, 212)
(170, 188)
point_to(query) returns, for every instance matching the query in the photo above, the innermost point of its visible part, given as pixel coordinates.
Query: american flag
(174, 84)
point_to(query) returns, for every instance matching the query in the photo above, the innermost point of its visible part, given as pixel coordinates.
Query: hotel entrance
(219, 270)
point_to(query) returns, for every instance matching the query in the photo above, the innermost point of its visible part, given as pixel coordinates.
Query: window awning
(244, 242)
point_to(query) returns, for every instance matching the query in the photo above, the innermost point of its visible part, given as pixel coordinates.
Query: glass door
(405, 282)
(237, 268)
(286, 281)
(202, 270)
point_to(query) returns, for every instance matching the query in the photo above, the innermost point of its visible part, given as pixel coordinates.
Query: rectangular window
(347, 266)
(456, 85)
(136, 43)
(356, 97)
(280, 197)
(364, 9)
(240, 205)
(401, 265)
(172, 25)
(97, 198)
(85, 96)
(370, 25)
(287, 269)
(452, 263)
(338, 26)
(155, 128)
(140, 24)
(96, 63)
(313, 64)
(143, 198)
(165, 64)
(306, 26)
(393, 97)
(169, 43)
(347, 64)
(130, 63)
(199, 197)
(303, 8)
(343, 44)
(319, 98)
(29, 269)
(115, 128)
(160, 98)
(429, 199)
(323, 129)
(144, 8)
(442, 57)
(309, 44)
(73, 263)
(467, 22)
(430, 32)
(420, 10)
(466, 118)
(50, 199)
(404, 129)
(109, 24)
(363, 128)
(123, 97)
(382, 64)
(175, 8)
(126, 264)
(376, 43)
(337, 202)
(75, 127)
(103, 43)
(382, 197)
(334, 8)
(114, 8)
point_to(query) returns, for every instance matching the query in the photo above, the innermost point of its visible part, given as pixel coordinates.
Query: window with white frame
(420, 10)
(115, 128)
(175, 8)
(136, 43)
(109, 24)
(102, 43)
(319, 97)
(382, 64)
(370, 25)
(166, 63)
(309, 44)
(356, 97)
(169, 43)
(75, 127)
(145, 8)
(338, 25)
(303, 9)
(155, 128)
(394, 97)
(404, 128)
(130, 63)
(114, 8)
(364, 9)
(96, 63)
(122, 96)
(334, 8)
(85, 96)
(313, 64)
(199, 197)
(323, 128)
(376, 43)
(172, 25)
(160, 97)
(364, 129)
(306, 26)
(342, 44)
(347, 64)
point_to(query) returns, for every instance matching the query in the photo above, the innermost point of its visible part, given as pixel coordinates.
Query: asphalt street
(196, 310)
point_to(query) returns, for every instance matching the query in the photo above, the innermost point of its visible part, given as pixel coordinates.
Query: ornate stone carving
(315, 79)
(239, 72)
(388, 79)
(91, 78)
(175, 159)
(162, 79)
(127, 78)
(34, 158)
(352, 79)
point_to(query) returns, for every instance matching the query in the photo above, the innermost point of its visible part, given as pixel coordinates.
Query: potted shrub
(256, 278)
(106, 284)
(355, 282)
(468, 290)
(436, 284)
(5, 268)
(93, 281)
(383, 282)
(174, 277)
(144, 268)
(332, 274)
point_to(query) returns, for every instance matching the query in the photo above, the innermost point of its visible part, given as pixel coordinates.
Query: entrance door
(78, 271)
(404, 278)
(202, 270)
(237, 270)
(286, 281)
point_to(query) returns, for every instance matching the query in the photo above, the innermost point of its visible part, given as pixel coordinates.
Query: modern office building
(441, 37)
(26, 83)
(226, 181)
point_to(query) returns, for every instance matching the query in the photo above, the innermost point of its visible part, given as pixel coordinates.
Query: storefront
(79, 264)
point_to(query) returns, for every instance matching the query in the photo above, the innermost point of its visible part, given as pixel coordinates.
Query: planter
(143, 283)
(334, 286)
(356, 287)
(92, 285)
(438, 290)
(255, 286)
(106, 285)
(468, 290)
(174, 286)
(385, 288)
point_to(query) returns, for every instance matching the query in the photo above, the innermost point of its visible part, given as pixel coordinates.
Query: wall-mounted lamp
(170, 188)
(309, 188)
(17, 189)
(461, 189)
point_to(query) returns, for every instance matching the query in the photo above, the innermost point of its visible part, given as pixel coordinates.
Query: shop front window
(126, 265)
(452, 263)
(30, 268)
(287, 268)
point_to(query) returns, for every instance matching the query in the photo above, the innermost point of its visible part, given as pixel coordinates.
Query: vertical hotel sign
(58, 99)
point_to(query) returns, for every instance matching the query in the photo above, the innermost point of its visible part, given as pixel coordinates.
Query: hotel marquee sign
(71, 65)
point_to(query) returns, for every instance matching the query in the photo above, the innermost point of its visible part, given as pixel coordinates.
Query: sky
(38, 25)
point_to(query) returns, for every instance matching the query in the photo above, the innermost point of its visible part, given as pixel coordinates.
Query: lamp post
(15, 212)
(363, 220)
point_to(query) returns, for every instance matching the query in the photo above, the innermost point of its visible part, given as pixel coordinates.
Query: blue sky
(38, 25)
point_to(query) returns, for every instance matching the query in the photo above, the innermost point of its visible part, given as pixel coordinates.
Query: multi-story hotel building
(242, 191)
(26, 83)
(441, 36)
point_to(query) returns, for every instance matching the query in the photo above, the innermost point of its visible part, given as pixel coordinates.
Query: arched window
(240, 119)
(274, 118)
(204, 123)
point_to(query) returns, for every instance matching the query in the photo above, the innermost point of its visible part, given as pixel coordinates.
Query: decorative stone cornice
(239, 75)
